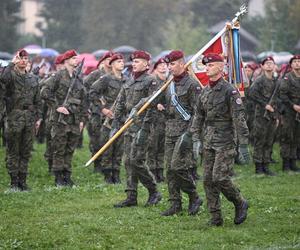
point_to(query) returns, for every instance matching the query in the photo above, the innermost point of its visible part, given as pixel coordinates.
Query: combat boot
(267, 171)
(154, 198)
(160, 175)
(67, 178)
(285, 164)
(59, 179)
(14, 182)
(175, 208)
(293, 165)
(130, 201)
(240, 212)
(216, 220)
(108, 176)
(22, 182)
(116, 176)
(194, 204)
(259, 168)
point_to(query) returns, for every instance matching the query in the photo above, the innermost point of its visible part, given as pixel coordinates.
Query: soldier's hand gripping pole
(241, 12)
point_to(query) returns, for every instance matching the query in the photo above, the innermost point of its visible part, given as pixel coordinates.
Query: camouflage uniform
(22, 96)
(264, 127)
(65, 130)
(219, 112)
(289, 94)
(179, 162)
(108, 87)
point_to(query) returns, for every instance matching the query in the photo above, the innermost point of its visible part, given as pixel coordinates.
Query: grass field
(83, 217)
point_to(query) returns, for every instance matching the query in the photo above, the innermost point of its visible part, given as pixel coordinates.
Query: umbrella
(33, 49)
(5, 55)
(48, 52)
(99, 53)
(90, 62)
(161, 54)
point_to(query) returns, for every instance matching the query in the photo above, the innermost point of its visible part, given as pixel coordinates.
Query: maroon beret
(269, 58)
(293, 58)
(108, 54)
(174, 55)
(22, 52)
(212, 57)
(115, 57)
(159, 61)
(59, 59)
(68, 54)
(252, 66)
(141, 54)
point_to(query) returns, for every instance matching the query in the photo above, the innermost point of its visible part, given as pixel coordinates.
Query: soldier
(155, 156)
(289, 94)
(95, 118)
(21, 92)
(103, 95)
(265, 117)
(178, 104)
(219, 112)
(135, 146)
(67, 121)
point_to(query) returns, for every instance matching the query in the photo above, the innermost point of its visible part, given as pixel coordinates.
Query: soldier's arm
(197, 120)
(96, 93)
(89, 80)
(119, 108)
(284, 93)
(48, 91)
(38, 103)
(255, 93)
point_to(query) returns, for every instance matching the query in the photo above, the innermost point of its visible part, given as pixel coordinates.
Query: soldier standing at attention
(178, 104)
(22, 97)
(219, 112)
(135, 138)
(67, 121)
(289, 94)
(265, 117)
(108, 88)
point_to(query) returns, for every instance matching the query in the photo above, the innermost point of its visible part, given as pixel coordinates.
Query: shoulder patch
(239, 101)
(53, 74)
(234, 92)
(154, 83)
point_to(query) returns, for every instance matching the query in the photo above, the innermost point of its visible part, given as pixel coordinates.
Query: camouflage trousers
(155, 155)
(48, 155)
(19, 129)
(64, 142)
(263, 136)
(290, 136)
(135, 165)
(217, 166)
(178, 164)
(94, 130)
(112, 157)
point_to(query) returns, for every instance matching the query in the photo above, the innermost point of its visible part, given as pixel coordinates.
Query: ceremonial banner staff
(241, 12)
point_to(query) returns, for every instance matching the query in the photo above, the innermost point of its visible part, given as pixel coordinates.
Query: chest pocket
(139, 91)
(267, 89)
(113, 91)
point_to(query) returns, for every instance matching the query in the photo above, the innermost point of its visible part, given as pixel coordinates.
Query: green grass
(83, 217)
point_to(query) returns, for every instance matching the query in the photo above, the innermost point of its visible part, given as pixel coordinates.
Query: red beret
(252, 66)
(22, 52)
(174, 56)
(115, 57)
(59, 59)
(68, 54)
(294, 57)
(159, 61)
(212, 57)
(140, 54)
(269, 58)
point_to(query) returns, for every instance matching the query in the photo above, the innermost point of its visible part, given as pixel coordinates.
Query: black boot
(14, 181)
(154, 198)
(108, 176)
(285, 164)
(116, 176)
(241, 212)
(160, 175)
(267, 171)
(67, 178)
(175, 208)
(293, 165)
(22, 182)
(216, 220)
(194, 204)
(59, 179)
(130, 201)
(259, 168)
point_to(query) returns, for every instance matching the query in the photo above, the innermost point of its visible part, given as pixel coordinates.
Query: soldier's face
(295, 64)
(269, 66)
(139, 65)
(214, 68)
(106, 62)
(248, 72)
(162, 68)
(73, 61)
(176, 68)
(118, 64)
(23, 62)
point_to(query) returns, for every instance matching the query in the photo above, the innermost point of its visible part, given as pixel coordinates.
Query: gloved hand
(141, 137)
(244, 151)
(185, 141)
(197, 148)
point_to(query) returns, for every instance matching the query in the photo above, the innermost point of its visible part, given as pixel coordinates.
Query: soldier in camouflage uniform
(155, 156)
(21, 92)
(219, 112)
(179, 157)
(108, 88)
(289, 94)
(67, 121)
(135, 144)
(265, 117)
(95, 118)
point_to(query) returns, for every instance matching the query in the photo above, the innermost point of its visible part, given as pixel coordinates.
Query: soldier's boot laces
(130, 201)
(285, 164)
(116, 177)
(59, 179)
(14, 182)
(259, 168)
(175, 208)
(241, 212)
(194, 204)
(267, 171)
(293, 166)
(154, 198)
(160, 175)
(22, 182)
(67, 179)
